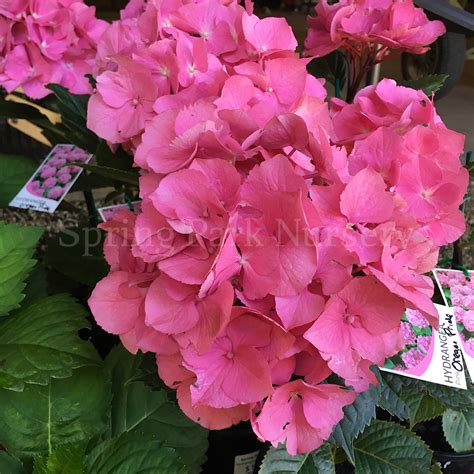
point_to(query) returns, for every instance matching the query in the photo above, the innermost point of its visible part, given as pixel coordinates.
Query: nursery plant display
(280, 240)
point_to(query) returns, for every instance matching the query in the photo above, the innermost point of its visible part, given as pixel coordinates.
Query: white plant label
(50, 183)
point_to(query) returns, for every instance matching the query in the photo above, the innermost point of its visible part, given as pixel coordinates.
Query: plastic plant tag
(429, 354)
(106, 213)
(458, 293)
(50, 183)
(245, 463)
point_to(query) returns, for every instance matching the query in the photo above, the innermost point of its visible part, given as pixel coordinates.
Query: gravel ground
(53, 223)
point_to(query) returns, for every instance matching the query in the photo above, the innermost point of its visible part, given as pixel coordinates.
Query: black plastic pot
(451, 463)
(455, 463)
(232, 451)
(344, 468)
(14, 142)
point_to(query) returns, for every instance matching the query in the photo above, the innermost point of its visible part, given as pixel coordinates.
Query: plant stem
(91, 208)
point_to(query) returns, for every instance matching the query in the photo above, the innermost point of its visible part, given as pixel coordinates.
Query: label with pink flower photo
(50, 183)
(108, 212)
(457, 289)
(429, 354)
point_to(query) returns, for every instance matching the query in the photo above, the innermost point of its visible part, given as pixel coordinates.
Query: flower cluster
(461, 295)
(47, 41)
(56, 174)
(276, 243)
(417, 337)
(369, 32)
(379, 26)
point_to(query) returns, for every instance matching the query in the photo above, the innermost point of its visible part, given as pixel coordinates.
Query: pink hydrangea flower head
(277, 242)
(394, 24)
(406, 27)
(52, 42)
(319, 41)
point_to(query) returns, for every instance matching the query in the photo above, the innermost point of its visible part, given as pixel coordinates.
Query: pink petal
(300, 309)
(365, 200)
(209, 417)
(170, 306)
(114, 292)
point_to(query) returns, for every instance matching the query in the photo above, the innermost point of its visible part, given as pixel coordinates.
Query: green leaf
(138, 409)
(167, 422)
(17, 110)
(421, 408)
(15, 171)
(122, 176)
(55, 134)
(10, 464)
(77, 253)
(119, 159)
(89, 182)
(356, 417)
(454, 398)
(71, 129)
(73, 110)
(40, 465)
(323, 459)
(74, 103)
(450, 397)
(17, 245)
(278, 461)
(458, 427)
(67, 459)
(41, 341)
(390, 388)
(428, 84)
(388, 448)
(122, 367)
(78, 134)
(42, 418)
(36, 285)
(436, 469)
(132, 454)
(147, 372)
(330, 67)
